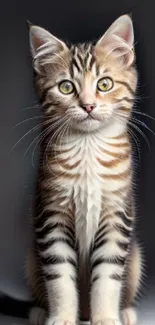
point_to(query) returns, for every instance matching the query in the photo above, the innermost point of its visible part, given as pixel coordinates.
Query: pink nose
(88, 107)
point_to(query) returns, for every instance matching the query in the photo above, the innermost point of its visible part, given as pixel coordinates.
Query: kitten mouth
(88, 118)
(91, 118)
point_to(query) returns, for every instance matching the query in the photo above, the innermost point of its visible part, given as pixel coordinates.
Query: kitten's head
(86, 86)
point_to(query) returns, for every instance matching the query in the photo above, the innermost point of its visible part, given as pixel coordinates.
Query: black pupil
(105, 83)
(68, 86)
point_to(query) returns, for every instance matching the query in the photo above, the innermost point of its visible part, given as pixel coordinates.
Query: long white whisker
(137, 129)
(133, 135)
(28, 119)
(143, 114)
(56, 134)
(30, 107)
(44, 134)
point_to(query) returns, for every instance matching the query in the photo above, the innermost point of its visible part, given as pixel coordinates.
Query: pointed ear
(119, 39)
(41, 39)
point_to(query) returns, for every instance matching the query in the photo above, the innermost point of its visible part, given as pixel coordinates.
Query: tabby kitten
(85, 212)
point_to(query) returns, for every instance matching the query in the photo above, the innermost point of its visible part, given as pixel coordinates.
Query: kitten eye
(105, 84)
(66, 87)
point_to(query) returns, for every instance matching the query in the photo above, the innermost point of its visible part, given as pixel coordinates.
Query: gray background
(73, 21)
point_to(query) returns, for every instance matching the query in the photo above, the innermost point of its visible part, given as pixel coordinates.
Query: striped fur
(85, 212)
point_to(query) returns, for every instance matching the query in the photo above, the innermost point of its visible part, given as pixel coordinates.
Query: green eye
(66, 87)
(105, 84)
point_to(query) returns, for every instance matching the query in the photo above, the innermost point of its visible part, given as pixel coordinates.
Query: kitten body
(85, 216)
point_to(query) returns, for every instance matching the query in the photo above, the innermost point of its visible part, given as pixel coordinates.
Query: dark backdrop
(74, 21)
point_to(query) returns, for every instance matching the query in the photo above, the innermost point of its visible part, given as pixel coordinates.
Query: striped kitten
(85, 257)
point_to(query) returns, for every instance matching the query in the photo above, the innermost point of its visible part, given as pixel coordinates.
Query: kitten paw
(108, 321)
(129, 316)
(51, 321)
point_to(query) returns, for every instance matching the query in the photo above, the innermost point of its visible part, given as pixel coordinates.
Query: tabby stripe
(97, 69)
(71, 71)
(100, 231)
(74, 278)
(79, 84)
(46, 213)
(48, 105)
(40, 220)
(86, 59)
(57, 260)
(80, 59)
(65, 165)
(125, 232)
(45, 245)
(61, 152)
(120, 136)
(122, 245)
(51, 277)
(113, 162)
(56, 150)
(114, 260)
(99, 244)
(101, 235)
(91, 63)
(116, 277)
(129, 100)
(74, 62)
(126, 220)
(125, 84)
(124, 109)
(44, 93)
(95, 278)
(47, 229)
(116, 176)
(70, 232)
(116, 155)
(119, 145)
(106, 216)
(65, 175)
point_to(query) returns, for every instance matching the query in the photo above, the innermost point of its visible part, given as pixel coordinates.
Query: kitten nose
(88, 107)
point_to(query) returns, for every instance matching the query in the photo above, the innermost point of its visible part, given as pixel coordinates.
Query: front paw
(108, 321)
(52, 321)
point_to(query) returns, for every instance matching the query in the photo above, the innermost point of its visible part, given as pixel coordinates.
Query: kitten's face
(87, 87)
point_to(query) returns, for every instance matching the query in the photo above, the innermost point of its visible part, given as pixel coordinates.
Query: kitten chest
(87, 202)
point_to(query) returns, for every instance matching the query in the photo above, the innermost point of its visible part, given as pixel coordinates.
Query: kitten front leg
(56, 241)
(107, 264)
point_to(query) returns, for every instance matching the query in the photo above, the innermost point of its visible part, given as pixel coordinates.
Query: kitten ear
(41, 39)
(119, 39)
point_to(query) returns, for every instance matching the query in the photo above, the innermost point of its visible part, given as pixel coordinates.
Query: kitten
(85, 212)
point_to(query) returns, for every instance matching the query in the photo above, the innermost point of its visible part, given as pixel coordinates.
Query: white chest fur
(91, 188)
(87, 200)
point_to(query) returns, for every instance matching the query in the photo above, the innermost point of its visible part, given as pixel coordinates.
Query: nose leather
(88, 107)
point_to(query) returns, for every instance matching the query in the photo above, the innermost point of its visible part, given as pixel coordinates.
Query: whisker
(143, 124)
(56, 134)
(143, 114)
(136, 128)
(133, 135)
(30, 107)
(28, 119)
(41, 136)
(29, 132)
(136, 141)
(44, 134)
(140, 132)
(33, 142)
(133, 119)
